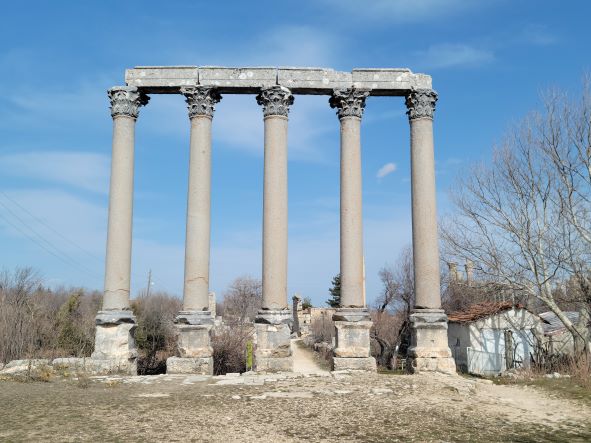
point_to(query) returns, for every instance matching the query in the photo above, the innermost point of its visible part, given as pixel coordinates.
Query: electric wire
(44, 243)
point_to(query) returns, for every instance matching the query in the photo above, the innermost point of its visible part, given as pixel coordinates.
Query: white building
(489, 338)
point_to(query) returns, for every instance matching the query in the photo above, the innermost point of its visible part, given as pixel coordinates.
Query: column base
(197, 365)
(114, 346)
(352, 350)
(354, 364)
(194, 351)
(273, 333)
(429, 350)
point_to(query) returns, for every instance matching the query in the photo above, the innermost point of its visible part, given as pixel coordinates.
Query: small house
(558, 339)
(491, 337)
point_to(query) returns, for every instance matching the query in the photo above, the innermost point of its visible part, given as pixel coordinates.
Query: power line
(44, 243)
(41, 221)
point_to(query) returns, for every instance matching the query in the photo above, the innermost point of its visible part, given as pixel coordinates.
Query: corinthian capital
(201, 100)
(275, 100)
(349, 102)
(421, 103)
(126, 101)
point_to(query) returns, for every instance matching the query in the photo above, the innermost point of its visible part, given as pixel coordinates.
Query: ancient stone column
(429, 350)
(352, 319)
(272, 323)
(195, 321)
(114, 342)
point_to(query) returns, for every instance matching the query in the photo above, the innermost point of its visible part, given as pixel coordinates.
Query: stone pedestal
(429, 350)
(114, 348)
(352, 350)
(194, 351)
(273, 351)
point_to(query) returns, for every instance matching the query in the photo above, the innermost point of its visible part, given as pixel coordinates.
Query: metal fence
(485, 363)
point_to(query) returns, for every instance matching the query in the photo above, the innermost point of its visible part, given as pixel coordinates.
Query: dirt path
(304, 360)
(287, 408)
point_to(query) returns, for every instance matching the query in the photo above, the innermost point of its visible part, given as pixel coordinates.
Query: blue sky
(489, 60)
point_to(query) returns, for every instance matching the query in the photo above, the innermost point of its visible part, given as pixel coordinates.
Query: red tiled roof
(481, 310)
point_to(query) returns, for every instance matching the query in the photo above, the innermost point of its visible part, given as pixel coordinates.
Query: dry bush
(229, 347)
(155, 334)
(385, 334)
(323, 329)
(36, 322)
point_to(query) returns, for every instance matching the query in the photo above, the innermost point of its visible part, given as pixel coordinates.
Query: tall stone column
(195, 321)
(114, 341)
(429, 350)
(273, 351)
(352, 319)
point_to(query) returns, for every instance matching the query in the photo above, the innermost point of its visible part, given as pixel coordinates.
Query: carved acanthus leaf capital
(349, 102)
(126, 101)
(201, 100)
(421, 103)
(275, 100)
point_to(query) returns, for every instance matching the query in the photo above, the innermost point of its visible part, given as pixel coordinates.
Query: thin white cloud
(388, 168)
(453, 55)
(405, 11)
(538, 35)
(295, 46)
(80, 170)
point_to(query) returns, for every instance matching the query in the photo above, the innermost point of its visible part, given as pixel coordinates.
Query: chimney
(469, 266)
(453, 271)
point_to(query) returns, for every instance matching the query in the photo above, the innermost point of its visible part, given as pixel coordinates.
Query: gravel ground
(284, 408)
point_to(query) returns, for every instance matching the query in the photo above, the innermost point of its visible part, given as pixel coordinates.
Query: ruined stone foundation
(429, 350)
(273, 348)
(194, 351)
(352, 350)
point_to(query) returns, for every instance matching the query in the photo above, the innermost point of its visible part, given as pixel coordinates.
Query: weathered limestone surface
(115, 349)
(355, 363)
(194, 341)
(248, 80)
(198, 365)
(22, 366)
(429, 350)
(352, 339)
(193, 344)
(273, 351)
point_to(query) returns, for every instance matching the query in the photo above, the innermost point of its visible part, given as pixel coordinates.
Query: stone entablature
(249, 80)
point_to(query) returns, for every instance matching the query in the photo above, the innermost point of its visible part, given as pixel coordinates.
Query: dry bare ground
(289, 407)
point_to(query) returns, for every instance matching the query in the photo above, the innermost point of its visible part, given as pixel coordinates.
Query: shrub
(229, 345)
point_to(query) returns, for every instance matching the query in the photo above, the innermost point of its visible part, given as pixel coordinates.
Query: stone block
(194, 341)
(445, 365)
(199, 365)
(273, 341)
(114, 349)
(222, 77)
(70, 363)
(106, 366)
(274, 364)
(429, 349)
(322, 80)
(355, 363)
(22, 366)
(162, 76)
(352, 339)
(394, 81)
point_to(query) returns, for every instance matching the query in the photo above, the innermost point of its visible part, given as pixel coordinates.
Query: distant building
(558, 339)
(488, 338)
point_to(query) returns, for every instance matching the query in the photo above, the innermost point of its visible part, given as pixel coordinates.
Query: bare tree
(243, 299)
(511, 216)
(393, 307)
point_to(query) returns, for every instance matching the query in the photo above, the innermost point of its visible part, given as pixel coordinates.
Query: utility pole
(149, 283)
